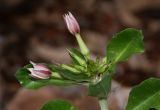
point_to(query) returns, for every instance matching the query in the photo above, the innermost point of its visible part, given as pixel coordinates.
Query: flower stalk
(82, 45)
(103, 104)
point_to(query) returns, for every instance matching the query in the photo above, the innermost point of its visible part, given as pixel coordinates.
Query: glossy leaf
(145, 96)
(102, 88)
(58, 105)
(124, 44)
(27, 81)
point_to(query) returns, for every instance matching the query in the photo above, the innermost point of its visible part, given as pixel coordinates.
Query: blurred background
(35, 30)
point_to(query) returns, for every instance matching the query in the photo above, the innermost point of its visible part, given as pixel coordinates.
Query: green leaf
(77, 57)
(27, 81)
(58, 105)
(124, 44)
(102, 88)
(145, 96)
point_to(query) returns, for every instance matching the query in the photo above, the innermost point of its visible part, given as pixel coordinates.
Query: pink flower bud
(39, 71)
(71, 23)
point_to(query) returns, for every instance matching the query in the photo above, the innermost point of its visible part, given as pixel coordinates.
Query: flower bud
(39, 71)
(71, 23)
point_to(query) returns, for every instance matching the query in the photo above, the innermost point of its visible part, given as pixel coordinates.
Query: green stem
(103, 104)
(82, 45)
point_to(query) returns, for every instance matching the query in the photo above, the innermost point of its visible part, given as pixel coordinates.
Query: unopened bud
(39, 71)
(71, 23)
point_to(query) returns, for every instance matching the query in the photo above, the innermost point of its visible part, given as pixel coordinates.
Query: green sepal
(91, 66)
(69, 75)
(80, 68)
(77, 57)
(102, 68)
(70, 68)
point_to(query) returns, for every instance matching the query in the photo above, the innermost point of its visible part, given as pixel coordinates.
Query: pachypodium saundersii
(95, 74)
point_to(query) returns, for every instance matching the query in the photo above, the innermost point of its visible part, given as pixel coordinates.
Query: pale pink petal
(37, 76)
(39, 71)
(71, 23)
(40, 74)
(41, 67)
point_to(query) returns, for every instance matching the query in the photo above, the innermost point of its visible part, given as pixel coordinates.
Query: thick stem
(103, 104)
